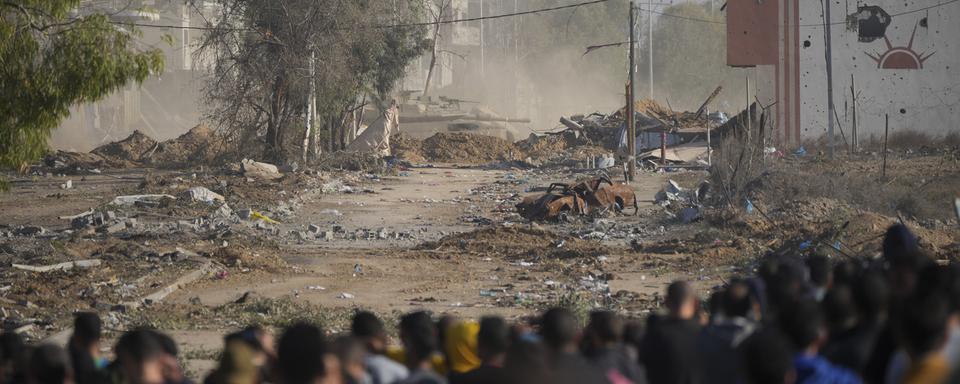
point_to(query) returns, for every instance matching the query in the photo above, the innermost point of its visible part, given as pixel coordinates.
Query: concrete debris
(202, 194)
(689, 215)
(263, 171)
(67, 185)
(154, 200)
(59, 267)
(347, 296)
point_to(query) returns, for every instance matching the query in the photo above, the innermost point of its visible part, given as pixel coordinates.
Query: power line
(429, 23)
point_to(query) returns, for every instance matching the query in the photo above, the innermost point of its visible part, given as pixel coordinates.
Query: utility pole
(650, 43)
(827, 54)
(481, 40)
(631, 121)
(855, 139)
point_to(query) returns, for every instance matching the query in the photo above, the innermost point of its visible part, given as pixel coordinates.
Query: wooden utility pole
(631, 121)
(854, 136)
(828, 54)
(886, 132)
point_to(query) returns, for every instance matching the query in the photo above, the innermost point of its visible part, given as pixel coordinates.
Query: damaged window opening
(870, 22)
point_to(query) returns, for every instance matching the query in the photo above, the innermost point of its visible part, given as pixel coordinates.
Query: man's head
(923, 325)
(766, 358)
(802, 322)
(839, 309)
(351, 353)
(300, 354)
(681, 300)
(821, 275)
(86, 330)
(737, 300)
(871, 294)
(493, 339)
(419, 338)
(369, 329)
(605, 328)
(140, 356)
(558, 328)
(49, 364)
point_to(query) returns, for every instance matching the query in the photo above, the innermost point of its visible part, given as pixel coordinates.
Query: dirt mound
(407, 148)
(351, 161)
(128, 151)
(468, 148)
(537, 147)
(73, 162)
(518, 243)
(195, 147)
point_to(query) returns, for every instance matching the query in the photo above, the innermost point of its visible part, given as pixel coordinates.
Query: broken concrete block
(201, 194)
(30, 230)
(260, 170)
(689, 215)
(325, 235)
(244, 214)
(80, 222)
(115, 227)
(186, 224)
(67, 185)
(313, 228)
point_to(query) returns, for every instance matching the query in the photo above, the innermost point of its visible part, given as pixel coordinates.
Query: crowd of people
(893, 319)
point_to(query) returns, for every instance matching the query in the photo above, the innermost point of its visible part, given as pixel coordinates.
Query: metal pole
(481, 39)
(855, 140)
(631, 100)
(886, 132)
(709, 148)
(650, 43)
(827, 54)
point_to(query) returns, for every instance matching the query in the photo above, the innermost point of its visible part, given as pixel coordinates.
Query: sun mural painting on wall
(903, 57)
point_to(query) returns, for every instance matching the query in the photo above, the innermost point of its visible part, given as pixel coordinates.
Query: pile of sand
(197, 146)
(469, 148)
(126, 152)
(407, 148)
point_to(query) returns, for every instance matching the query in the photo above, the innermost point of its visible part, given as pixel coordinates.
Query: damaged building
(896, 58)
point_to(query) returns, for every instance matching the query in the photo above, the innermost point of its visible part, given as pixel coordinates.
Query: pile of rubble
(199, 146)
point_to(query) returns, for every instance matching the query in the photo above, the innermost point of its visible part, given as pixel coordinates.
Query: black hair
(802, 322)
(167, 343)
(819, 267)
(418, 334)
(677, 292)
(871, 294)
(526, 362)
(923, 323)
(899, 245)
(736, 299)
(49, 364)
(366, 324)
(839, 309)
(765, 357)
(494, 335)
(86, 328)
(607, 326)
(300, 354)
(558, 327)
(138, 346)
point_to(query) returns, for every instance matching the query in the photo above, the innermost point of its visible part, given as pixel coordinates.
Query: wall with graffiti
(900, 58)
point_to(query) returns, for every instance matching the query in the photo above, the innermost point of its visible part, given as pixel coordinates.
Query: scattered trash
(67, 185)
(344, 295)
(749, 207)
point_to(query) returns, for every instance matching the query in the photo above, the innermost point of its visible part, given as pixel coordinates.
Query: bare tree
(438, 13)
(261, 78)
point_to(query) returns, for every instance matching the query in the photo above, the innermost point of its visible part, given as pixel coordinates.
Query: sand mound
(468, 148)
(518, 243)
(197, 146)
(407, 148)
(126, 152)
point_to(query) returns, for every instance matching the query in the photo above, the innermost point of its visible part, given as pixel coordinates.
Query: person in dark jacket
(669, 350)
(603, 347)
(718, 341)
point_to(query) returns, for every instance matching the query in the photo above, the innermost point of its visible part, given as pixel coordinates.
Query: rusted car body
(551, 205)
(587, 196)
